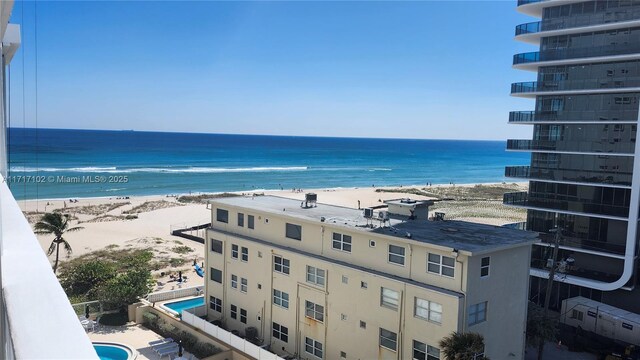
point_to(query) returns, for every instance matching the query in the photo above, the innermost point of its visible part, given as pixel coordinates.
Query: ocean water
(53, 163)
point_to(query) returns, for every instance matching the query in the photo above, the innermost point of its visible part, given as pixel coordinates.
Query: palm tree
(463, 346)
(57, 224)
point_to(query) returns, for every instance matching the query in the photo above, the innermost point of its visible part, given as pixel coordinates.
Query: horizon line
(269, 135)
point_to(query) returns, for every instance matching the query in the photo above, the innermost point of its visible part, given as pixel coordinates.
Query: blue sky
(433, 69)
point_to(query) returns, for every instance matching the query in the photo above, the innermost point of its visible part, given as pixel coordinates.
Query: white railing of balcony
(41, 322)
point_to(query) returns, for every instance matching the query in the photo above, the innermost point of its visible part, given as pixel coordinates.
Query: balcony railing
(568, 145)
(584, 244)
(576, 271)
(553, 202)
(575, 53)
(579, 176)
(572, 85)
(42, 324)
(522, 116)
(600, 18)
(518, 117)
(528, 28)
(524, 87)
(525, 2)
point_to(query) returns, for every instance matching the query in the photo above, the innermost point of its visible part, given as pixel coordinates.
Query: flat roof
(462, 235)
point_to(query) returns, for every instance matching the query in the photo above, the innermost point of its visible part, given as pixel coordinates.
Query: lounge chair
(163, 347)
(159, 342)
(168, 352)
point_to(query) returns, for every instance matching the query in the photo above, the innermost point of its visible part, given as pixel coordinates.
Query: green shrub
(188, 340)
(202, 350)
(115, 319)
(150, 320)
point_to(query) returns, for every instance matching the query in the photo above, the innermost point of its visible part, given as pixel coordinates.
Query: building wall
(352, 289)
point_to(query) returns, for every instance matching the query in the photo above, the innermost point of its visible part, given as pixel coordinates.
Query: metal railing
(524, 87)
(579, 176)
(571, 116)
(528, 28)
(573, 53)
(586, 146)
(559, 202)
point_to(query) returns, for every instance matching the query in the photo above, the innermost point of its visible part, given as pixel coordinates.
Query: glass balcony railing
(555, 202)
(577, 271)
(528, 28)
(525, 2)
(575, 53)
(519, 117)
(570, 85)
(568, 145)
(522, 116)
(524, 87)
(578, 176)
(586, 244)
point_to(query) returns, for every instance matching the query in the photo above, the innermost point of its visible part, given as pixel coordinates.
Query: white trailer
(601, 319)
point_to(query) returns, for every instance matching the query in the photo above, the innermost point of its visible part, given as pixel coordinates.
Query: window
(313, 347)
(428, 310)
(234, 281)
(241, 219)
(294, 231)
(280, 264)
(243, 316)
(575, 314)
(216, 246)
(250, 221)
(216, 275)
(243, 285)
(389, 298)
(477, 313)
(245, 254)
(215, 304)
(363, 324)
(234, 251)
(372, 243)
(484, 266)
(280, 332)
(441, 265)
(315, 275)
(222, 215)
(388, 339)
(396, 254)
(425, 352)
(341, 242)
(281, 298)
(314, 311)
(363, 284)
(345, 280)
(343, 355)
(234, 312)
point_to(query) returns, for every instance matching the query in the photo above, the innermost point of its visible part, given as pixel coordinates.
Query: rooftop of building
(464, 236)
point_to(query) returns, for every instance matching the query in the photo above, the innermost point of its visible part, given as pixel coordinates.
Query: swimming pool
(113, 351)
(178, 306)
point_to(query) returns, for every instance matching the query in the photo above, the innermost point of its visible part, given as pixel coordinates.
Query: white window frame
(477, 313)
(235, 251)
(388, 301)
(244, 254)
(315, 346)
(244, 285)
(280, 298)
(243, 316)
(314, 276)
(430, 309)
(279, 265)
(234, 281)
(342, 243)
(429, 352)
(438, 266)
(391, 255)
(393, 339)
(215, 304)
(486, 267)
(233, 312)
(314, 311)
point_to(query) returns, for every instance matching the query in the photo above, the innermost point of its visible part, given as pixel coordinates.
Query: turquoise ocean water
(52, 163)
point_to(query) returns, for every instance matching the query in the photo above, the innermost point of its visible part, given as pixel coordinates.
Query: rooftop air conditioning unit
(368, 213)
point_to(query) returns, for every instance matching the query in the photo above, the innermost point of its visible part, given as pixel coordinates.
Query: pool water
(178, 306)
(111, 352)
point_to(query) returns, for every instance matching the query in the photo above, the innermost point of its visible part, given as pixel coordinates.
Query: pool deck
(136, 336)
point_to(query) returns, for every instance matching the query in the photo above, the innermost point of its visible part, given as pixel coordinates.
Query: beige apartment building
(316, 281)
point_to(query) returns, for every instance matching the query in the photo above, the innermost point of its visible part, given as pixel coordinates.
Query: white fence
(173, 294)
(230, 339)
(197, 311)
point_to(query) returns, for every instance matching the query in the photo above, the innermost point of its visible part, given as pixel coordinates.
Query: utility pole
(552, 274)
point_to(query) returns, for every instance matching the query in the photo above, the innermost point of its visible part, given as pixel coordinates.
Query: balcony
(534, 88)
(628, 13)
(528, 28)
(578, 176)
(532, 117)
(592, 245)
(41, 322)
(554, 202)
(525, 2)
(573, 146)
(577, 53)
(578, 271)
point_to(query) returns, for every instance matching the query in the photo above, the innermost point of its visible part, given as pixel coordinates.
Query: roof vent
(438, 216)
(310, 200)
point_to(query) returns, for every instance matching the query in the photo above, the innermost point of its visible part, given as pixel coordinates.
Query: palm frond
(75, 228)
(67, 247)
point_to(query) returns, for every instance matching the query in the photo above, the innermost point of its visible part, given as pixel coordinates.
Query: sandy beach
(145, 222)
